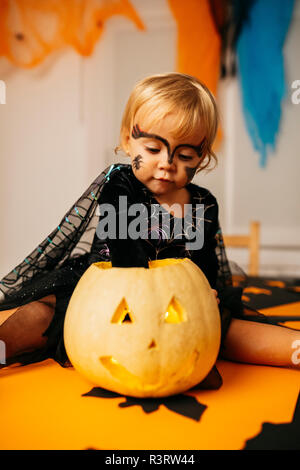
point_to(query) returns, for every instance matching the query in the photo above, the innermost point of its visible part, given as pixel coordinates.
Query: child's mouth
(164, 180)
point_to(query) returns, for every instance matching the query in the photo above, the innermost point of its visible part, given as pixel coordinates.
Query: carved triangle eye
(122, 313)
(175, 313)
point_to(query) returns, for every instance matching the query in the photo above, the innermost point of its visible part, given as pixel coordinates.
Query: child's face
(163, 164)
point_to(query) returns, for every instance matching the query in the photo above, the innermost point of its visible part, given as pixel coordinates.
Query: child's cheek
(190, 173)
(137, 162)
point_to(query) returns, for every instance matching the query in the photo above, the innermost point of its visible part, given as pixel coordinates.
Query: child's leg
(261, 343)
(22, 330)
(5, 314)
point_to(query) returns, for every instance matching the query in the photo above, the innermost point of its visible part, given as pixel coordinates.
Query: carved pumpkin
(143, 332)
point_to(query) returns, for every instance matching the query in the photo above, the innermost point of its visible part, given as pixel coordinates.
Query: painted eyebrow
(137, 133)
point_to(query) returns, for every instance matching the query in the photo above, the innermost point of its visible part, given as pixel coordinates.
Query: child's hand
(216, 294)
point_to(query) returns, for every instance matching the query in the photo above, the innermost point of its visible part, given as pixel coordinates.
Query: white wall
(60, 124)
(42, 148)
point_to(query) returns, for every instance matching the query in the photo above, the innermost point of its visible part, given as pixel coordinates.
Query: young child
(168, 129)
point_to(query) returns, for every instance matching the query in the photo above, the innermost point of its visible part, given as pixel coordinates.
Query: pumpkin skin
(143, 332)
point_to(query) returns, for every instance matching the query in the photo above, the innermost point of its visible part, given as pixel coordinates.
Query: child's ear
(125, 143)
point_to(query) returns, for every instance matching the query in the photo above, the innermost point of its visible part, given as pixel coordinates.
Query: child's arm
(124, 252)
(261, 343)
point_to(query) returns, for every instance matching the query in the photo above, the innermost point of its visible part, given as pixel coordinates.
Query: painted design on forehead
(136, 162)
(137, 133)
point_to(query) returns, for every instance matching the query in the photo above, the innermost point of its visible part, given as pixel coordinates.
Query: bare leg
(23, 330)
(5, 314)
(261, 343)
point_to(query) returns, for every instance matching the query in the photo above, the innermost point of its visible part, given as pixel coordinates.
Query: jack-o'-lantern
(143, 332)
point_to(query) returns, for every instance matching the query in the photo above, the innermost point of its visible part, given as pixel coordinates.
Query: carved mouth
(120, 373)
(123, 375)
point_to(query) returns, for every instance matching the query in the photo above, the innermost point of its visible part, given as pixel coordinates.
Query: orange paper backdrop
(31, 29)
(198, 43)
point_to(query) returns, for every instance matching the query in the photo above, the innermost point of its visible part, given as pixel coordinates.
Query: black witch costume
(58, 262)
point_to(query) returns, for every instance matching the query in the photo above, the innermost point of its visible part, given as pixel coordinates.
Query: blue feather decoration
(261, 70)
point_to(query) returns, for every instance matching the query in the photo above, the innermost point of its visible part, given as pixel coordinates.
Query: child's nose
(165, 161)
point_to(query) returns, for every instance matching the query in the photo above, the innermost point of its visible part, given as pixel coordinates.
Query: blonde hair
(190, 100)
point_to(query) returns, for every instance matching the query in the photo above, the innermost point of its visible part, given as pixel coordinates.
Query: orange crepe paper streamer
(31, 29)
(198, 44)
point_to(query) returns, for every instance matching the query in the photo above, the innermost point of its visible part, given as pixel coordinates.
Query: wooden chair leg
(254, 249)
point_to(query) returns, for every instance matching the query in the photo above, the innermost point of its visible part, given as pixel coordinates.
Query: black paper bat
(182, 404)
(283, 436)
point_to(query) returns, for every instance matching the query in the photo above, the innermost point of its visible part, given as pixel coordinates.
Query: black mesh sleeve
(124, 252)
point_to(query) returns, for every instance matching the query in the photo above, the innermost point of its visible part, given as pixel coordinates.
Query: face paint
(136, 162)
(137, 133)
(190, 172)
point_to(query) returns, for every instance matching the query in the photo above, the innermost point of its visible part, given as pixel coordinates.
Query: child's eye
(152, 150)
(185, 157)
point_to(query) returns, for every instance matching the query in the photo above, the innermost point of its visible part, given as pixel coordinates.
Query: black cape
(57, 263)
